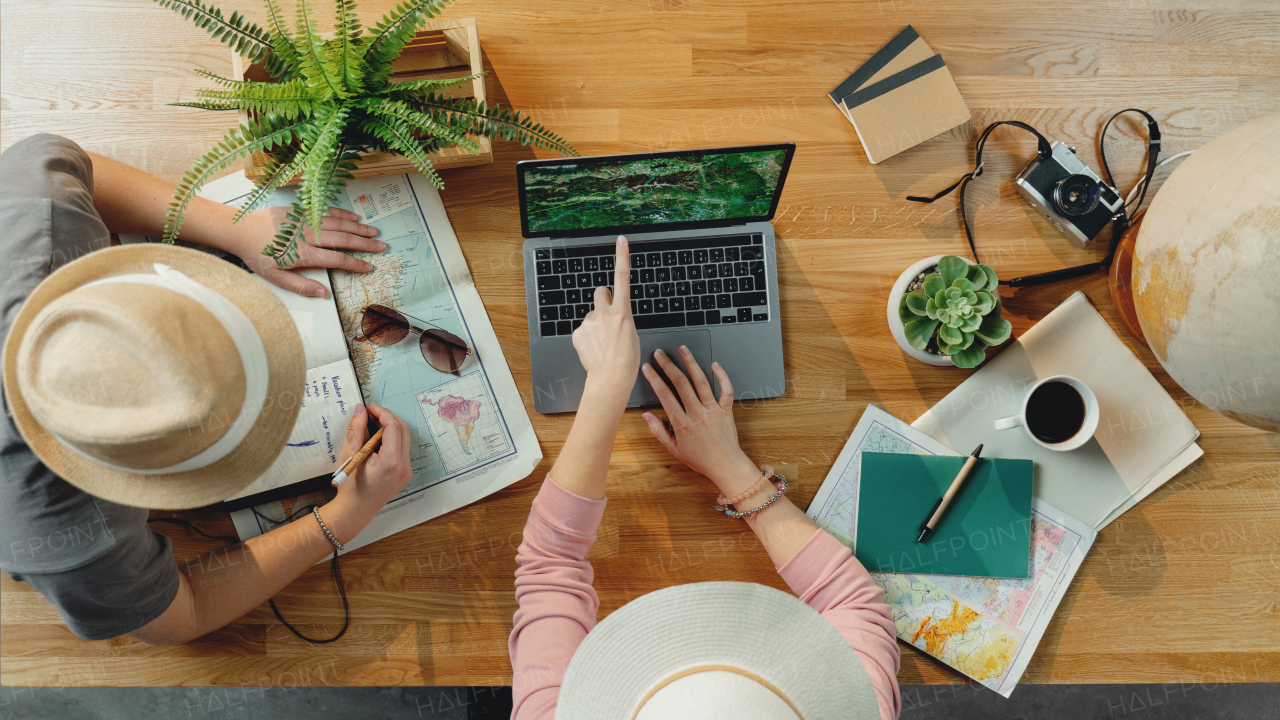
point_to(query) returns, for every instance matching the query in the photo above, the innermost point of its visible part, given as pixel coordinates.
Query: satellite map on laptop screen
(680, 189)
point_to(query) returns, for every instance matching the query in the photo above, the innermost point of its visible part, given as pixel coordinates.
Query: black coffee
(1055, 412)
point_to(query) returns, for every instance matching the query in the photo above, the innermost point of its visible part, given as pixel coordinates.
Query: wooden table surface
(1183, 588)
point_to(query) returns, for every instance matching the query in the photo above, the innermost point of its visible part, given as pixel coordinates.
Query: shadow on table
(659, 528)
(934, 165)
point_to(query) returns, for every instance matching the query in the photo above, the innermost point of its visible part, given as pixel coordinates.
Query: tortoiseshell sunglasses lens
(443, 351)
(383, 326)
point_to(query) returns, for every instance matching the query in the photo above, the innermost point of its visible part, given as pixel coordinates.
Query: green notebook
(986, 531)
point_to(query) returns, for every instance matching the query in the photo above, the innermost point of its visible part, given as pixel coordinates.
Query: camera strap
(1122, 218)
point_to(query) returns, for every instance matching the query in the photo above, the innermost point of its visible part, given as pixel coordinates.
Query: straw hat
(716, 651)
(154, 376)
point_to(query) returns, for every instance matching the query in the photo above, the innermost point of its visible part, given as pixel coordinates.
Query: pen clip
(341, 465)
(925, 523)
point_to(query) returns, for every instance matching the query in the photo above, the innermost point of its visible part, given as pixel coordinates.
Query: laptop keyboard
(686, 282)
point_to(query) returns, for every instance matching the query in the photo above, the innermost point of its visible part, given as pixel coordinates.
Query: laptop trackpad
(699, 343)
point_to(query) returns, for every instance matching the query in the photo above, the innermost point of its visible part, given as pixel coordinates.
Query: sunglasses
(384, 326)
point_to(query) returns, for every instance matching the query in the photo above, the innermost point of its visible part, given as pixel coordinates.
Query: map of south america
(462, 413)
(465, 427)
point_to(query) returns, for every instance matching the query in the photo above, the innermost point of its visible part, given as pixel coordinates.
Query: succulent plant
(959, 307)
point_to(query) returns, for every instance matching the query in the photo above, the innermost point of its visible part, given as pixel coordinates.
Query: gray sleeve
(48, 166)
(47, 214)
(117, 592)
(98, 562)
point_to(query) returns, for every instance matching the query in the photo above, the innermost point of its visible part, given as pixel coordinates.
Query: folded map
(987, 628)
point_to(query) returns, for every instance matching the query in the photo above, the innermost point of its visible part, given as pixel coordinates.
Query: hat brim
(195, 488)
(660, 635)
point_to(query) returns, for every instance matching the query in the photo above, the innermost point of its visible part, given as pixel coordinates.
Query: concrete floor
(1191, 701)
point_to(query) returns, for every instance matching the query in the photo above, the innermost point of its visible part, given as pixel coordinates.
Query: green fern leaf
(395, 30)
(223, 81)
(207, 105)
(289, 99)
(399, 137)
(318, 169)
(420, 122)
(247, 139)
(284, 246)
(281, 40)
(346, 45)
(413, 88)
(237, 32)
(282, 167)
(492, 121)
(313, 61)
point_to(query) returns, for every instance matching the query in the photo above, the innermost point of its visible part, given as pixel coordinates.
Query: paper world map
(454, 428)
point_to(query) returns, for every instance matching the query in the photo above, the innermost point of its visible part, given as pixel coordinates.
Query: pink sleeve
(825, 575)
(557, 605)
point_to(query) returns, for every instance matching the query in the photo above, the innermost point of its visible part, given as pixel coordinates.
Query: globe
(1206, 274)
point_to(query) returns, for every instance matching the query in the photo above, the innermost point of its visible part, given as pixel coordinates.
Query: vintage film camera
(1069, 195)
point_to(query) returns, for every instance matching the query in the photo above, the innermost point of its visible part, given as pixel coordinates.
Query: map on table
(651, 191)
(987, 628)
(470, 434)
(409, 278)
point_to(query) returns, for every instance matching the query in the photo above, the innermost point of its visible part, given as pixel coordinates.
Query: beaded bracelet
(337, 545)
(766, 472)
(775, 497)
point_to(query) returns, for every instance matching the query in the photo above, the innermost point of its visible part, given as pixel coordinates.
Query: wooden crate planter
(443, 49)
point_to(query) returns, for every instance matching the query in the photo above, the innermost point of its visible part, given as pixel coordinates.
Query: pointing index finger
(622, 275)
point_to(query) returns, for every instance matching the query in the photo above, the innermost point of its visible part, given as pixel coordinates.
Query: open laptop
(703, 268)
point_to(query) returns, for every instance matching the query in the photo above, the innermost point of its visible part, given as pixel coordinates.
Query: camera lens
(1076, 195)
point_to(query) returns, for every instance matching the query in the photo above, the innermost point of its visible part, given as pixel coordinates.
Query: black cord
(1043, 150)
(189, 526)
(1122, 219)
(334, 571)
(1153, 152)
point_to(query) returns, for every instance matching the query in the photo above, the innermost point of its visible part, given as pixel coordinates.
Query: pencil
(940, 507)
(349, 467)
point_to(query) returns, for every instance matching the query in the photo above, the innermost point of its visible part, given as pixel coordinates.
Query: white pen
(349, 467)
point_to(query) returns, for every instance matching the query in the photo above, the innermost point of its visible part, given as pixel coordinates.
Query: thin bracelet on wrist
(775, 497)
(766, 472)
(337, 545)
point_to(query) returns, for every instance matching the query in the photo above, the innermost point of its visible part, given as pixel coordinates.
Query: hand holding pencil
(349, 466)
(375, 472)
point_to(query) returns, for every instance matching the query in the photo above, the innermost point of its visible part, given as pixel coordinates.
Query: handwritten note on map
(987, 628)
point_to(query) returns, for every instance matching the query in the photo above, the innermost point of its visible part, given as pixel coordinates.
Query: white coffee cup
(1087, 427)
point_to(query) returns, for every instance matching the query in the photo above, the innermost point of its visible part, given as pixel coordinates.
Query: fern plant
(329, 101)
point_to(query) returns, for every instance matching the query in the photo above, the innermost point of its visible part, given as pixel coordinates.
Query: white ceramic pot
(895, 323)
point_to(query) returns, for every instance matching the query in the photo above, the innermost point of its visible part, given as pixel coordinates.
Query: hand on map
(606, 341)
(339, 231)
(702, 433)
(378, 479)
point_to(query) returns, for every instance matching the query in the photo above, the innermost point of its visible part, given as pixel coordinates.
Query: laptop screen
(674, 190)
